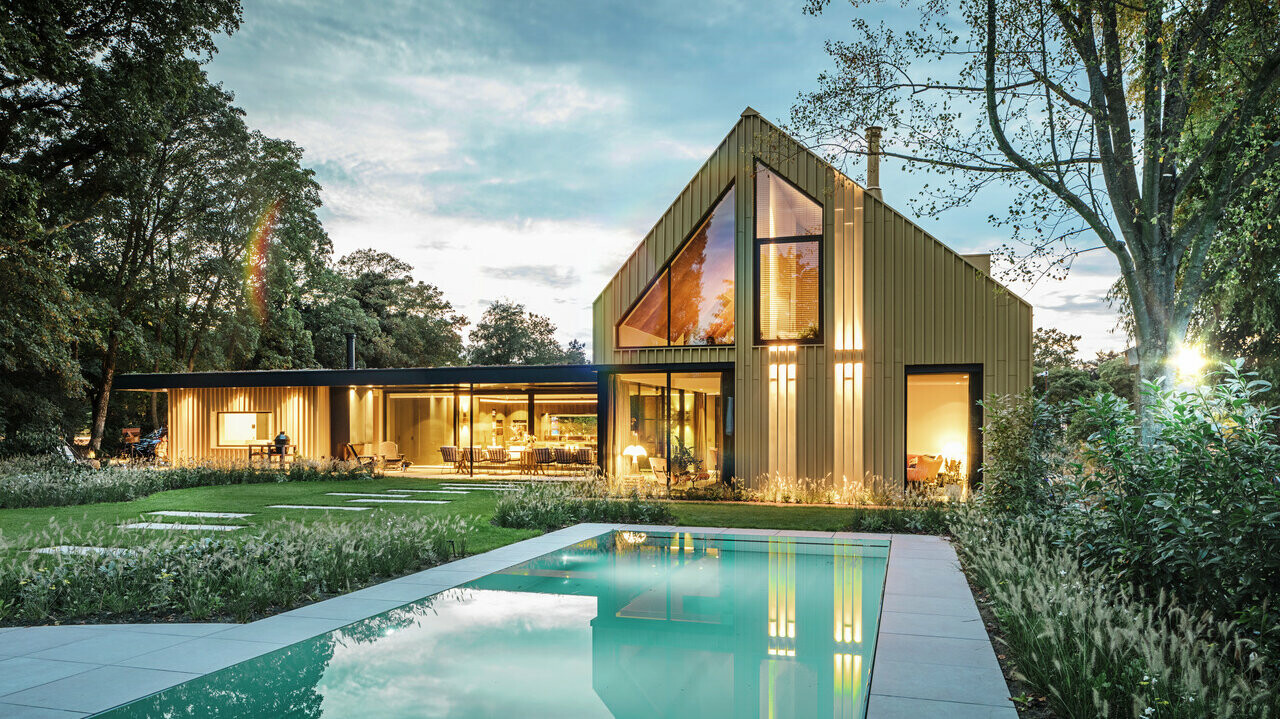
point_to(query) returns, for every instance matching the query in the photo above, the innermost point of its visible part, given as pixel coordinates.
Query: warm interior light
(1189, 362)
(954, 451)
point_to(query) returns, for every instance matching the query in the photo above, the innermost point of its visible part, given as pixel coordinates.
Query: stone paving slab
(204, 515)
(400, 501)
(183, 527)
(98, 689)
(890, 707)
(16, 711)
(317, 506)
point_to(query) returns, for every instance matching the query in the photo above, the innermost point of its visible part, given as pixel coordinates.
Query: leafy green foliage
(290, 563)
(1022, 450)
(508, 334)
(547, 506)
(400, 322)
(52, 482)
(1095, 646)
(1196, 512)
(1051, 347)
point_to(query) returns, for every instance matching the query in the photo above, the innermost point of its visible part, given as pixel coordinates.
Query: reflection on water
(625, 625)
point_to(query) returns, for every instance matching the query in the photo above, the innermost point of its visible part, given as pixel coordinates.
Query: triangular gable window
(692, 301)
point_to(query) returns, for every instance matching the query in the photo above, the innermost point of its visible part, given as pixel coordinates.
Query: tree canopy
(509, 334)
(1140, 130)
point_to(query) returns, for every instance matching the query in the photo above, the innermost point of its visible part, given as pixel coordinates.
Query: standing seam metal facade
(893, 297)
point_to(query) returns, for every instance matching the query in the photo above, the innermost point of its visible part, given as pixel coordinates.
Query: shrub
(53, 482)
(923, 518)
(1022, 449)
(1093, 646)
(547, 506)
(288, 564)
(1194, 510)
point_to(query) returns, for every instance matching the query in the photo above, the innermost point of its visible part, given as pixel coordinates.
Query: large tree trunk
(103, 399)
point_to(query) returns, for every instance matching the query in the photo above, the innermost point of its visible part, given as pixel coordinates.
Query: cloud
(556, 277)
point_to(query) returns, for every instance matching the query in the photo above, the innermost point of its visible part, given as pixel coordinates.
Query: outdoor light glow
(1189, 362)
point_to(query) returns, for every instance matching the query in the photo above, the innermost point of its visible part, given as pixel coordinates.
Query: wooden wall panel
(302, 412)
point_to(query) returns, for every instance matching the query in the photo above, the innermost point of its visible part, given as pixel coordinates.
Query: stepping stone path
(491, 488)
(430, 491)
(315, 506)
(206, 515)
(76, 549)
(402, 500)
(356, 494)
(184, 527)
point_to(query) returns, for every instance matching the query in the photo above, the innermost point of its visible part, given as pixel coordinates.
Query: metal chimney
(351, 350)
(873, 160)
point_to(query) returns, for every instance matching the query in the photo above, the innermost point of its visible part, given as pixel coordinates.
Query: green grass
(23, 527)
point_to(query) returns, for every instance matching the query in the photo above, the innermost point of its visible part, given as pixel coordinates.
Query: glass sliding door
(675, 417)
(420, 423)
(696, 424)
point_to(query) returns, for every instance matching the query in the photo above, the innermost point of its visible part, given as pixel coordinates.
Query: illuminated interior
(678, 417)
(239, 429)
(938, 421)
(691, 303)
(789, 283)
(420, 422)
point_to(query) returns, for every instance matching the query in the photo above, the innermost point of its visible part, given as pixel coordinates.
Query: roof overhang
(408, 376)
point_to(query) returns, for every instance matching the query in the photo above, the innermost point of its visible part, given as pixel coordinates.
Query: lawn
(23, 526)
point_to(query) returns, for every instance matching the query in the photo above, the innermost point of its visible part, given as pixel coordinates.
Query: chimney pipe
(873, 160)
(351, 350)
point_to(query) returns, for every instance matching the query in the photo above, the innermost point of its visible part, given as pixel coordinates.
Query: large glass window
(940, 419)
(788, 261)
(420, 423)
(240, 429)
(678, 418)
(646, 324)
(691, 303)
(702, 282)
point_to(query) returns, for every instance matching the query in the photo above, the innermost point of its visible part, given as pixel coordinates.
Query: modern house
(779, 320)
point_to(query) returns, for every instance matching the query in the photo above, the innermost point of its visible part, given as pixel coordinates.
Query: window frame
(217, 428)
(665, 269)
(977, 415)
(757, 242)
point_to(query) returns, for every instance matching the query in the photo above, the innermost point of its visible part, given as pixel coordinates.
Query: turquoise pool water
(625, 625)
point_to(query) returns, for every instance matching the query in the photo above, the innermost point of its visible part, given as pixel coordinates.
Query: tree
(1054, 348)
(508, 334)
(84, 91)
(400, 322)
(1134, 129)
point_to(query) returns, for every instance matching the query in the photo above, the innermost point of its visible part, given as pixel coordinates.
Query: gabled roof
(793, 148)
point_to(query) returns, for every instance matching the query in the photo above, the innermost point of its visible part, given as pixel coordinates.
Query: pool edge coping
(898, 688)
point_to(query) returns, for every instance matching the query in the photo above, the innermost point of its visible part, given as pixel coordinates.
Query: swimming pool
(626, 624)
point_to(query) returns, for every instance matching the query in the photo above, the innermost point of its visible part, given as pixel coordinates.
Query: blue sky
(522, 149)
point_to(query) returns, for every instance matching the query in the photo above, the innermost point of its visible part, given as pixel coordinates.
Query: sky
(521, 150)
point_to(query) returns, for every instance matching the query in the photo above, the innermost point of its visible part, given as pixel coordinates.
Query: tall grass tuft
(51, 482)
(548, 506)
(242, 577)
(1096, 648)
